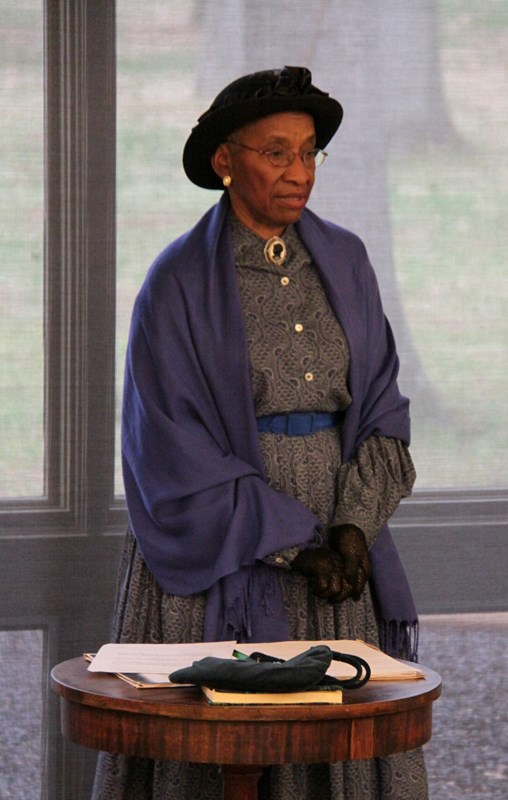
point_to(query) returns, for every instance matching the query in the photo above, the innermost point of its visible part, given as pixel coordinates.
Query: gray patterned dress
(298, 362)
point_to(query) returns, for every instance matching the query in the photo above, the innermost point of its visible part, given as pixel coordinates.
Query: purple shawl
(200, 508)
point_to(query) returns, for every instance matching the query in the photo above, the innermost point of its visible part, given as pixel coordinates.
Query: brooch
(275, 251)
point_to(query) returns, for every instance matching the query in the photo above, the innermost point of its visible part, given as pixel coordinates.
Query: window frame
(79, 276)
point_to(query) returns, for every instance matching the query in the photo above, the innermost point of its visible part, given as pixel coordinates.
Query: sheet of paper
(383, 667)
(156, 659)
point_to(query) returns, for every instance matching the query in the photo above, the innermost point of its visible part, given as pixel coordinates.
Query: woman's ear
(221, 161)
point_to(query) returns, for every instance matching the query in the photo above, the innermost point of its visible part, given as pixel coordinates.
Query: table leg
(240, 782)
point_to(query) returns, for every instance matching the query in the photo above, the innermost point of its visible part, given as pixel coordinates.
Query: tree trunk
(382, 62)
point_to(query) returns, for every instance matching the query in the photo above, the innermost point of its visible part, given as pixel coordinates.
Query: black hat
(249, 98)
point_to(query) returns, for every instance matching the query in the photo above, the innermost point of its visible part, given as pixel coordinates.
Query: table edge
(161, 702)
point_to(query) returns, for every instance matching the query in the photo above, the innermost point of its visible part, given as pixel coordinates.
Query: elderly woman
(264, 436)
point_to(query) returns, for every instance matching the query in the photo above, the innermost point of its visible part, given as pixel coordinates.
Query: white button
(309, 376)
(298, 327)
(279, 560)
(284, 280)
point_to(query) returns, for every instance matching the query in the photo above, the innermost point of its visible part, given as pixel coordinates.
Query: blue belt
(298, 424)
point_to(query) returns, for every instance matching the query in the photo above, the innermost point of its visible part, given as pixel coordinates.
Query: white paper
(156, 659)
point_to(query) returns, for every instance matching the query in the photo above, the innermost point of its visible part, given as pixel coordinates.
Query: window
(57, 566)
(418, 169)
(22, 251)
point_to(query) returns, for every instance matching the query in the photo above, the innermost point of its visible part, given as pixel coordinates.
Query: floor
(467, 757)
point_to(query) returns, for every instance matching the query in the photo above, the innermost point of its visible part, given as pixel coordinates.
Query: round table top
(101, 711)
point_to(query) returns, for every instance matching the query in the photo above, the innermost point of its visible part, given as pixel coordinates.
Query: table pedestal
(240, 783)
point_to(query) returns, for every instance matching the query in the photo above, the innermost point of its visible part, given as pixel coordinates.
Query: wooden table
(105, 713)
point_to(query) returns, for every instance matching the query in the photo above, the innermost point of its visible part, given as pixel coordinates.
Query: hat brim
(216, 126)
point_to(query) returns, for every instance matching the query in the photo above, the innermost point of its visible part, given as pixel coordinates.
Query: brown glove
(349, 542)
(324, 571)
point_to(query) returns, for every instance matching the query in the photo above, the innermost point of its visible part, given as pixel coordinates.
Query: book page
(382, 667)
(156, 659)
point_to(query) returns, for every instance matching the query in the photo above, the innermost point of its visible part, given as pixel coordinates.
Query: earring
(226, 181)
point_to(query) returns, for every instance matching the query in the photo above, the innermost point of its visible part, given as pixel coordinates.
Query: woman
(264, 436)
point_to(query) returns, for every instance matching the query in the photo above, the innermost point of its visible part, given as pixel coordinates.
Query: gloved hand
(349, 542)
(324, 571)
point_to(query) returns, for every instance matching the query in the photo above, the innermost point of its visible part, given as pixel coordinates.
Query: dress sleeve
(283, 558)
(372, 484)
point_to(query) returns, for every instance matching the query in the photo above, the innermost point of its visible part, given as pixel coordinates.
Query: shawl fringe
(246, 607)
(399, 639)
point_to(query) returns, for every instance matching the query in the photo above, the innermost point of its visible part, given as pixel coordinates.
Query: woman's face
(264, 197)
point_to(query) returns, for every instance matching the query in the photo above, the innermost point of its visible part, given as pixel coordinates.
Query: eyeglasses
(280, 157)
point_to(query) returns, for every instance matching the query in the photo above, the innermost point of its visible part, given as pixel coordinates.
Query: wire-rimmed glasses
(281, 157)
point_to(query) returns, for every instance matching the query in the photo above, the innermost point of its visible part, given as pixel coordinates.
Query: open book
(148, 665)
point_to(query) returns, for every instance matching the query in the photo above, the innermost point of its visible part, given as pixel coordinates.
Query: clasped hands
(339, 571)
